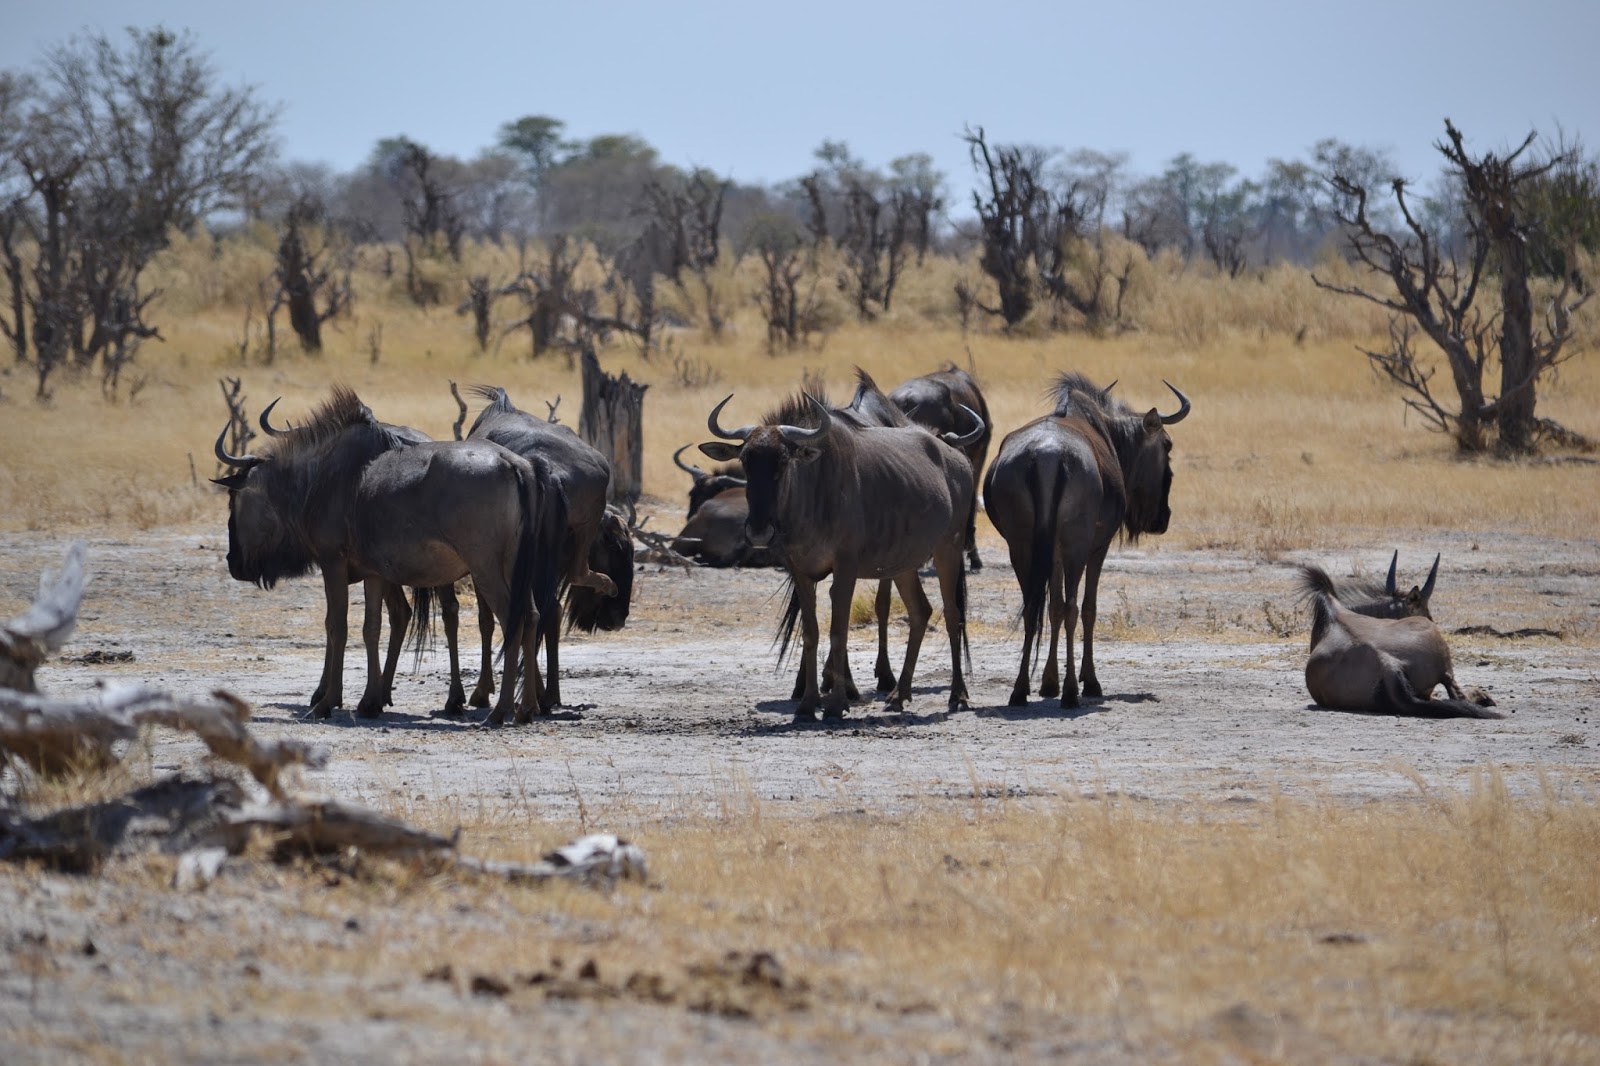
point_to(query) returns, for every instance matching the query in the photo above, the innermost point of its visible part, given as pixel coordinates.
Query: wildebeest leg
(805, 591)
(1050, 680)
(953, 590)
(336, 588)
(550, 696)
(485, 686)
(839, 597)
(1071, 577)
(1091, 590)
(580, 573)
(495, 596)
(375, 592)
(450, 611)
(918, 612)
(394, 598)
(973, 561)
(885, 672)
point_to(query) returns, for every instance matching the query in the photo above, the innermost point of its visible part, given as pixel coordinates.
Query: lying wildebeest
(853, 501)
(1059, 492)
(597, 550)
(400, 612)
(1385, 656)
(714, 530)
(345, 495)
(936, 401)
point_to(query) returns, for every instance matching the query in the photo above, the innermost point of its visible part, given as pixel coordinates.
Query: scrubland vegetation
(1451, 926)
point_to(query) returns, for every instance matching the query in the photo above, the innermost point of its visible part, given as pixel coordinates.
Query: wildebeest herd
(875, 489)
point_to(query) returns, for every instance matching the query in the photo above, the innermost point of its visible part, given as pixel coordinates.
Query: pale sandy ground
(682, 710)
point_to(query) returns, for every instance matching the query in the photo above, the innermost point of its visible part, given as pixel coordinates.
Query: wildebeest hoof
(974, 563)
(1069, 701)
(887, 682)
(1050, 689)
(1019, 698)
(1480, 697)
(366, 710)
(1091, 687)
(480, 696)
(833, 711)
(321, 710)
(805, 715)
(496, 719)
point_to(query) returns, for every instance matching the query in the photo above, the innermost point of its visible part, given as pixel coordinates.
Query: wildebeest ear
(806, 454)
(1152, 420)
(720, 450)
(231, 482)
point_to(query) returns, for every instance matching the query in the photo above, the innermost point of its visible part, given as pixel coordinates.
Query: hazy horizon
(751, 96)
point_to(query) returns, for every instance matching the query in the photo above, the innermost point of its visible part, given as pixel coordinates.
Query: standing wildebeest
(854, 501)
(345, 495)
(394, 598)
(1387, 665)
(1058, 492)
(936, 401)
(596, 552)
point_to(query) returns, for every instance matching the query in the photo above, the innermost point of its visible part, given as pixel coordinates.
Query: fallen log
(51, 734)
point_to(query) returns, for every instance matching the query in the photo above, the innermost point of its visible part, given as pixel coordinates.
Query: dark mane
(797, 411)
(339, 412)
(498, 399)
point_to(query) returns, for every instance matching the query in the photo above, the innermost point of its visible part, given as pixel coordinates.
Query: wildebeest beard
(265, 564)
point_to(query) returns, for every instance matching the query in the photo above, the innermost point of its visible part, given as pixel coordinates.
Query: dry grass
(1448, 928)
(1293, 442)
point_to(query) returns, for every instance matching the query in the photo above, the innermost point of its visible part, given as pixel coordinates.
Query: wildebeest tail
(421, 638)
(1041, 553)
(1317, 586)
(790, 619)
(1396, 696)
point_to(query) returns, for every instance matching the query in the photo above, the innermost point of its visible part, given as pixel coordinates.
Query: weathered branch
(49, 734)
(43, 628)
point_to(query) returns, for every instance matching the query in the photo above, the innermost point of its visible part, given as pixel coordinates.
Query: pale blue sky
(750, 89)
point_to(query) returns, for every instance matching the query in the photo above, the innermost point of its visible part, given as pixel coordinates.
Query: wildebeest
(855, 501)
(714, 530)
(345, 495)
(596, 551)
(1385, 665)
(393, 598)
(1386, 600)
(936, 400)
(1059, 492)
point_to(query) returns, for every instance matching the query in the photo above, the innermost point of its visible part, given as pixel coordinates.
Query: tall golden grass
(1293, 440)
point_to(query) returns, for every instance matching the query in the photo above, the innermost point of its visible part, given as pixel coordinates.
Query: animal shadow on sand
(869, 712)
(1051, 708)
(389, 719)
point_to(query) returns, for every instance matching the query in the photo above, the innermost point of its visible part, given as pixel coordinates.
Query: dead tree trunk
(612, 421)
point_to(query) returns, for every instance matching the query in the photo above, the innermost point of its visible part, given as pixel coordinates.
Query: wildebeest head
(1386, 600)
(271, 495)
(708, 484)
(1142, 444)
(612, 555)
(767, 453)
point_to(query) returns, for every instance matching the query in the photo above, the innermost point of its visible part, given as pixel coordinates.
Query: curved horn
(801, 435)
(971, 437)
(1105, 393)
(245, 461)
(1389, 586)
(266, 423)
(692, 471)
(717, 431)
(1427, 586)
(1183, 407)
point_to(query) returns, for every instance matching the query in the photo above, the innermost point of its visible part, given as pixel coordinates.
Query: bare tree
(1437, 292)
(115, 147)
(305, 279)
(790, 316)
(684, 235)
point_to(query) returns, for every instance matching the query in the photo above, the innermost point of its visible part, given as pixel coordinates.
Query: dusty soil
(1200, 653)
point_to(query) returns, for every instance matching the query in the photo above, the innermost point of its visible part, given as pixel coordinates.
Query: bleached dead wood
(50, 733)
(43, 628)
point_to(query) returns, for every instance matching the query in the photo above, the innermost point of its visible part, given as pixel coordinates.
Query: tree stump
(612, 422)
